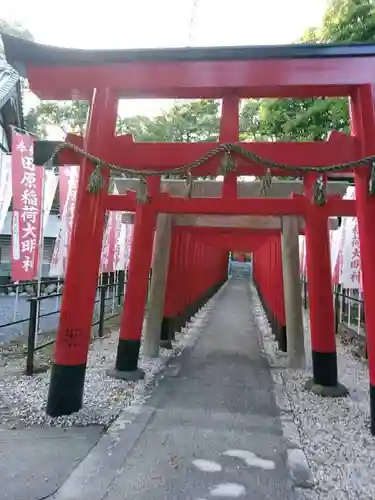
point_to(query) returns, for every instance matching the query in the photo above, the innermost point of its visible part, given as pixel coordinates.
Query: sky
(163, 23)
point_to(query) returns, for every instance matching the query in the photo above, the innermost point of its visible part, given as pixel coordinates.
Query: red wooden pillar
(271, 273)
(189, 255)
(167, 326)
(322, 323)
(195, 273)
(225, 265)
(136, 289)
(74, 331)
(200, 273)
(190, 278)
(182, 299)
(179, 291)
(187, 305)
(363, 127)
(254, 267)
(279, 291)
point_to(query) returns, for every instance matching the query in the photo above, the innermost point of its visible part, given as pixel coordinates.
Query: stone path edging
(297, 462)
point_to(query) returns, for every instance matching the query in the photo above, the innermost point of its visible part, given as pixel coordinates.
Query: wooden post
(292, 292)
(158, 286)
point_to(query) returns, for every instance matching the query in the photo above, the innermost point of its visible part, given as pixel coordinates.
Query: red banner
(112, 243)
(109, 244)
(119, 245)
(27, 183)
(68, 182)
(70, 207)
(128, 244)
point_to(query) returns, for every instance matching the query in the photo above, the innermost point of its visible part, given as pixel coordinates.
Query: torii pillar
(74, 332)
(363, 127)
(322, 322)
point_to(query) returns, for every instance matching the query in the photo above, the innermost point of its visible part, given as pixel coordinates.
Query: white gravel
(334, 433)
(23, 399)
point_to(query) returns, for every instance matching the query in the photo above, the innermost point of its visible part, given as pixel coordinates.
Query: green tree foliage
(190, 121)
(70, 116)
(312, 119)
(250, 119)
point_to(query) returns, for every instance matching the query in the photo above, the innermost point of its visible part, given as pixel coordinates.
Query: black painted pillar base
(179, 322)
(170, 326)
(65, 395)
(282, 338)
(167, 332)
(372, 409)
(325, 381)
(126, 367)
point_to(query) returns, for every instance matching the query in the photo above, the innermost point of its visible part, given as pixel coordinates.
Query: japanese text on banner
(27, 183)
(68, 182)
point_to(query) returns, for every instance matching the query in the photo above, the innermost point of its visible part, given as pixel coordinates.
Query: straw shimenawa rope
(227, 165)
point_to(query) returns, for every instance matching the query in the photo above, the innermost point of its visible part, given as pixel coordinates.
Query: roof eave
(20, 52)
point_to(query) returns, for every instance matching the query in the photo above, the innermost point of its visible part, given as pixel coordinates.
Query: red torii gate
(228, 73)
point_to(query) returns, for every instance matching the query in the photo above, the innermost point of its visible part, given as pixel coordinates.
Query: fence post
(337, 307)
(102, 310)
(120, 286)
(31, 336)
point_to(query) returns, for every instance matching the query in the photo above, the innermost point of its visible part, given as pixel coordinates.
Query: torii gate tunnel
(197, 265)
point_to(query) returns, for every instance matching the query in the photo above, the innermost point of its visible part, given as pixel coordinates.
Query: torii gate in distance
(230, 73)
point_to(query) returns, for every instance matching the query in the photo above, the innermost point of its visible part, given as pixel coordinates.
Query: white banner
(351, 259)
(120, 243)
(302, 255)
(49, 191)
(68, 181)
(128, 243)
(56, 268)
(335, 245)
(345, 254)
(5, 187)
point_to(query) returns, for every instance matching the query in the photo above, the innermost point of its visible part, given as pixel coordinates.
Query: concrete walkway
(35, 462)
(215, 430)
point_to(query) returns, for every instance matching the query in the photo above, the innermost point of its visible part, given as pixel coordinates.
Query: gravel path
(334, 432)
(23, 399)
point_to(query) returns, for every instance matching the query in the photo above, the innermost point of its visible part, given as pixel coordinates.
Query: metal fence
(349, 307)
(29, 312)
(108, 302)
(15, 307)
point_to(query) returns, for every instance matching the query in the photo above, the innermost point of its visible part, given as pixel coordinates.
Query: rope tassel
(266, 183)
(142, 191)
(189, 185)
(320, 195)
(96, 180)
(227, 163)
